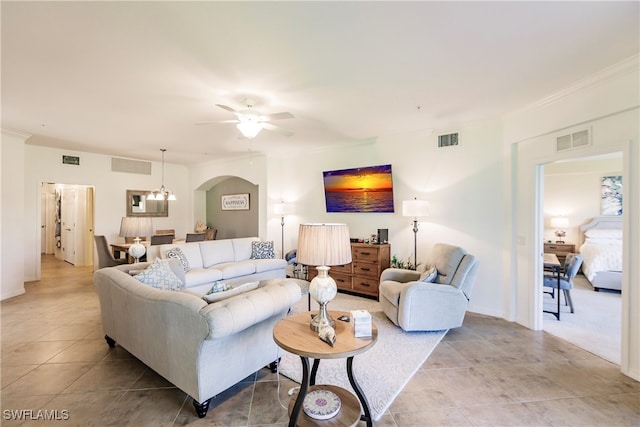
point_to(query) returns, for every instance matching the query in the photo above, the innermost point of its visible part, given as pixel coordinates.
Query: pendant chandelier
(162, 193)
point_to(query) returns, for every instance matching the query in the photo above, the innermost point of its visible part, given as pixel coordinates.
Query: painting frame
(235, 202)
(611, 195)
(367, 189)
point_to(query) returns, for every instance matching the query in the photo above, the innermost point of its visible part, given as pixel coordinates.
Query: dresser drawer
(368, 254)
(367, 269)
(365, 285)
(342, 281)
(340, 269)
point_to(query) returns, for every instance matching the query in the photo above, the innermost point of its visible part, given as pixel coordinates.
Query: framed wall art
(235, 202)
(364, 189)
(611, 195)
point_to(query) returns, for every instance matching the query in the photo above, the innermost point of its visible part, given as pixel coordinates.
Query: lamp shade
(415, 208)
(324, 244)
(136, 226)
(249, 128)
(283, 209)
(559, 222)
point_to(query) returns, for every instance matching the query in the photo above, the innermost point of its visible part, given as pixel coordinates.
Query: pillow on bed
(603, 234)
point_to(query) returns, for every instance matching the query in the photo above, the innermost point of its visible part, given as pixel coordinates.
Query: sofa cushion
(159, 275)
(178, 255)
(236, 269)
(216, 252)
(190, 250)
(262, 250)
(242, 248)
(262, 265)
(201, 276)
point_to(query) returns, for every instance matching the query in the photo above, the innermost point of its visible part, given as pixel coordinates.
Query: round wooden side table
(294, 335)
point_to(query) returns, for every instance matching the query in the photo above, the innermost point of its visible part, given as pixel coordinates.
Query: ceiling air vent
(573, 140)
(130, 166)
(448, 140)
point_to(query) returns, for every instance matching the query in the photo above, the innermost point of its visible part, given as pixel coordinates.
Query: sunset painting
(367, 189)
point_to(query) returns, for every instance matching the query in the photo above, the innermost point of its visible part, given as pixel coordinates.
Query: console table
(293, 334)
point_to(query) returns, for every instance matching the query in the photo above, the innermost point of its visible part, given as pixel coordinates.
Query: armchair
(415, 305)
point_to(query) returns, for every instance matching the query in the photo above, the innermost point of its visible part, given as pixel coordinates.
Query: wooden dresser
(561, 250)
(362, 276)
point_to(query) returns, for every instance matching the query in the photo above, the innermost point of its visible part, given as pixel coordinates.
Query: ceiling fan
(250, 122)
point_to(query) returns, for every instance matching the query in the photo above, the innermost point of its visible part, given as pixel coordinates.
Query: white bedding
(601, 255)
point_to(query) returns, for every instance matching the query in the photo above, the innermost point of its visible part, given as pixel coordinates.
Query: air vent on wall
(573, 140)
(130, 166)
(448, 140)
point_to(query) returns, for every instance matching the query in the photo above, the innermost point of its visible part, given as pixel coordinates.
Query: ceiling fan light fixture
(249, 128)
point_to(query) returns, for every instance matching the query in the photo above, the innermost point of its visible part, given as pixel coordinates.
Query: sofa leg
(201, 408)
(274, 365)
(110, 341)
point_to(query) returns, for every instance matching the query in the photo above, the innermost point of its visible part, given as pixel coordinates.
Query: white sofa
(203, 349)
(228, 260)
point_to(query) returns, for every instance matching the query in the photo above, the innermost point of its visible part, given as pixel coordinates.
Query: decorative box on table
(361, 323)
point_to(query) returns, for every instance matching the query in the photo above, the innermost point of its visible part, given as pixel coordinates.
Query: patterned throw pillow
(262, 250)
(180, 256)
(159, 275)
(429, 274)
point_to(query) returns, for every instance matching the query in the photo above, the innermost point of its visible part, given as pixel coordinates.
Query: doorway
(67, 222)
(572, 190)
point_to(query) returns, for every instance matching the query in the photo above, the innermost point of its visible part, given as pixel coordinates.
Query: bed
(602, 252)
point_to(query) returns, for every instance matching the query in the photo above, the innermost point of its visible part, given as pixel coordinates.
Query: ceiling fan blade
(218, 121)
(224, 107)
(276, 116)
(283, 131)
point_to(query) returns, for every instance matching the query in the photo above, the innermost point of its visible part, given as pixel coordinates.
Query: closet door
(69, 224)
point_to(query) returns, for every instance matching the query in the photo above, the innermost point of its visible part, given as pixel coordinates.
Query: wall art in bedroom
(611, 195)
(366, 189)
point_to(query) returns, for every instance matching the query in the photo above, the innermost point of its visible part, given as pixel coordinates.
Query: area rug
(384, 370)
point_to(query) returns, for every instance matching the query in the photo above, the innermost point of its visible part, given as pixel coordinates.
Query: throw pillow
(180, 256)
(429, 274)
(262, 250)
(159, 275)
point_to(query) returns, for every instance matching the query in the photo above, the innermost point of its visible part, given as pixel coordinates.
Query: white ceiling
(129, 78)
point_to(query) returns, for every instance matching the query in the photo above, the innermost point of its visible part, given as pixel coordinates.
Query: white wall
(607, 105)
(462, 183)
(12, 219)
(45, 165)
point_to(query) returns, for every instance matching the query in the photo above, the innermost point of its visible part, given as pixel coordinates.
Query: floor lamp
(283, 209)
(415, 208)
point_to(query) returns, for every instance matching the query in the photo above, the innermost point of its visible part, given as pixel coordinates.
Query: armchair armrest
(399, 275)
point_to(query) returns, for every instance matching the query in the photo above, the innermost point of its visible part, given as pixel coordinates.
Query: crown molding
(16, 133)
(615, 71)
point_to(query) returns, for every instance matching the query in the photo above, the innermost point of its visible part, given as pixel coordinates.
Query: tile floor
(488, 373)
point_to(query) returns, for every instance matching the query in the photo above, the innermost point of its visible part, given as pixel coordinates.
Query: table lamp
(322, 246)
(415, 208)
(559, 223)
(135, 226)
